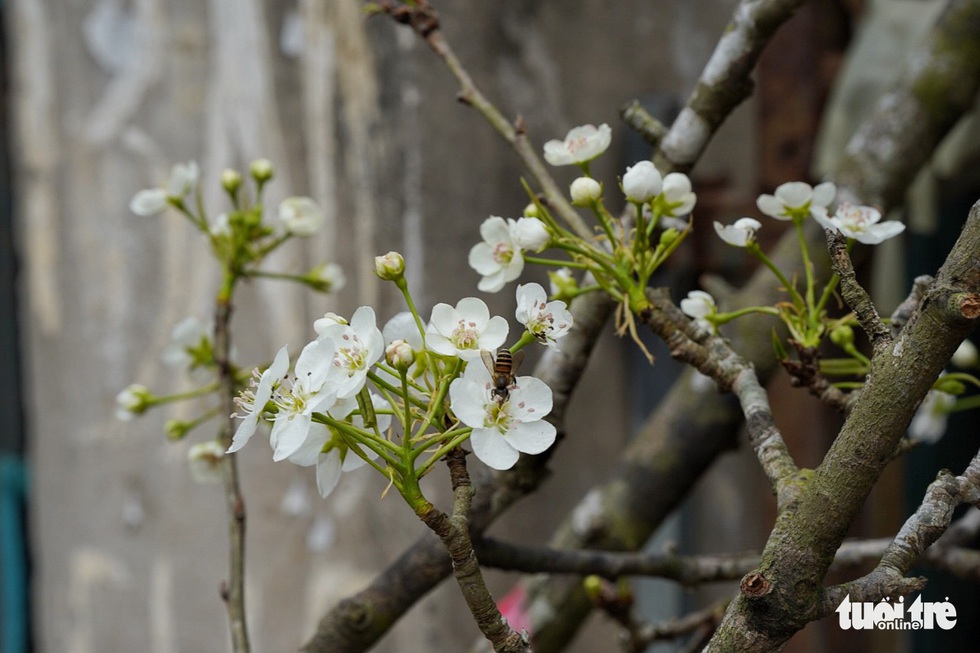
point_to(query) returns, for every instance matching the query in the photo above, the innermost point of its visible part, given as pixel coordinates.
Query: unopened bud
(261, 170)
(389, 267)
(585, 191)
(231, 180)
(400, 355)
(842, 336)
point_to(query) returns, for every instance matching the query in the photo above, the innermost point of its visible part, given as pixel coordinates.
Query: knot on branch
(970, 305)
(754, 585)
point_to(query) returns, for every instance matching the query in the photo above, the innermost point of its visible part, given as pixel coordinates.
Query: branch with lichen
(783, 594)
(920, 531)
(714, 357)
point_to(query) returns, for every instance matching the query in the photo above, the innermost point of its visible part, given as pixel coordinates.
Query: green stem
(756, 251)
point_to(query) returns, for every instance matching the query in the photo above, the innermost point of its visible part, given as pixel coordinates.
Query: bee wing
(487, 360)
(516, 359)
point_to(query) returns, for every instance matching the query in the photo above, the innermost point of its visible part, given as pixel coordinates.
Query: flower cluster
(660, 202)
(500, 257)
(338, 409)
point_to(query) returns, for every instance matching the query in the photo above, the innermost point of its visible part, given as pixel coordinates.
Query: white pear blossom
(699, 305)
(502, 430)
(584, 191)
(464, 330)
(301, 216)
(530, 234)
(188, 337)
(359, 346)
(677, 198)
(740, 234)
(581, 145)
(149, 202)
(253, 401)
(795, 196)
(642, 182)
(861, 223)
(547, 321)
(327, 277)
(403, 327)
(204, 461)
(929, 423)
(220, 227)
(183, 178)
(498, 258)
(329, 451)
(308, 393)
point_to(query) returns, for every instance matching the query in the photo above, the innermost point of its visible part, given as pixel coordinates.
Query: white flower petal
(771, 206)
(493, 449)
(328, 470)
(288, 434)
(794, 194)
(824, 194)
(532, 437)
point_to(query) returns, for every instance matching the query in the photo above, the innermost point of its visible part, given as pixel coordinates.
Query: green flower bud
(842, 336)
(261, 170)
(231, 180)
(390, 267)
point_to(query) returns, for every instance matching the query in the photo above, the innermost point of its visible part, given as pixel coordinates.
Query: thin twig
(233, 593)
(854, 293)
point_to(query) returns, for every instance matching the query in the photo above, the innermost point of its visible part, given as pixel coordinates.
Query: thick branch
(725, 82)
(802, 546)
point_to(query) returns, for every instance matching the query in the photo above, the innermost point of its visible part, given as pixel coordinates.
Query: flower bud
(585, 191)
(327, 277)
(842, 336)
(261, 170)
(531, 211)
(563, 284)
(132, 400)
(642, 182)
(400, 355)
(389, 267)
(530, 234)
(231, 180)
(176, 429)
(204, 459)
(668, 236)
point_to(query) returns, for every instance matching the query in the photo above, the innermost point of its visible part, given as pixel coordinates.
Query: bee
(502, 371)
